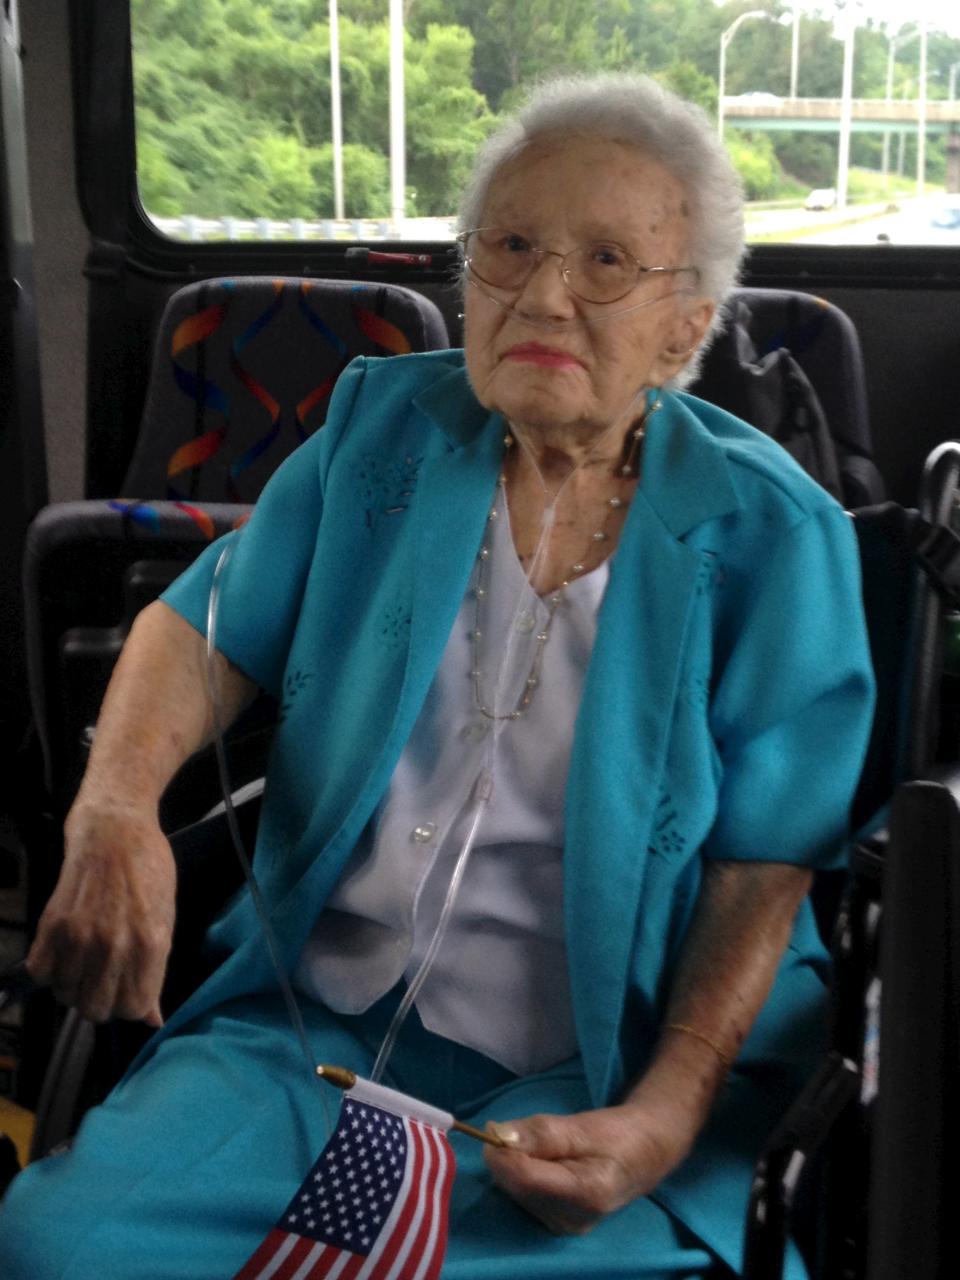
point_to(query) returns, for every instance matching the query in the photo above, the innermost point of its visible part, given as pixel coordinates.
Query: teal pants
(189, 1163)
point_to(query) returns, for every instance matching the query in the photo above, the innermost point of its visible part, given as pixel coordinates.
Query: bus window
(317, 120)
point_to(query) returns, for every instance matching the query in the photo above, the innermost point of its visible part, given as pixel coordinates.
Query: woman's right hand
(104, 938)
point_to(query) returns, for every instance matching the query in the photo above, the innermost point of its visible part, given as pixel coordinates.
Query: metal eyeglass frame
(539, 253)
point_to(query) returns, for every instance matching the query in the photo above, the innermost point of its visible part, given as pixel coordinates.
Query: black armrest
(779, 1170)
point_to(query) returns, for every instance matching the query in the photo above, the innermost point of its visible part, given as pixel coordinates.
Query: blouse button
(424, 833)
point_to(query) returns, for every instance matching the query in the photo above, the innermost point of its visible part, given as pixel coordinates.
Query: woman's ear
(692, 322)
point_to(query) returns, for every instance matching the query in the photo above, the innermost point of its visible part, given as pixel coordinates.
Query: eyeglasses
(600, 272)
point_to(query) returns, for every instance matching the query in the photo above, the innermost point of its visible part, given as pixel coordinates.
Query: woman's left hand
(570, 1171)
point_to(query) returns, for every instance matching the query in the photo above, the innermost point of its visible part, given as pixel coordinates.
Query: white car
(821, 198)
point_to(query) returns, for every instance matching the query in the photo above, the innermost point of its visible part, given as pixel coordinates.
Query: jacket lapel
(623, 730)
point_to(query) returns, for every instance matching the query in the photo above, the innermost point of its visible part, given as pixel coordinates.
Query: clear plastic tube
(216, 712)
(482, 792)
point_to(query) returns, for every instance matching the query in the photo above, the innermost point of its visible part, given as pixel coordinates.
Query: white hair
(635, 111)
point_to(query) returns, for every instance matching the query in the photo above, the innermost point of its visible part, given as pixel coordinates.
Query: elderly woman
(525, 600)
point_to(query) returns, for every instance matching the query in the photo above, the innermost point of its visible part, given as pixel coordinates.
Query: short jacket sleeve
(262, 582)
(793, 700)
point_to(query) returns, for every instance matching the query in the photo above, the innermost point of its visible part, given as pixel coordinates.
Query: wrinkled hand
(103, 941)
(570, 1171)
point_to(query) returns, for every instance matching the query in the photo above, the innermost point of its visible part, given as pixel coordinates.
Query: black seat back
(790, 364)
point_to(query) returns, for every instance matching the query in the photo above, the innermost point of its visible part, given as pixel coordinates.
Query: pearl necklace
(627, 469)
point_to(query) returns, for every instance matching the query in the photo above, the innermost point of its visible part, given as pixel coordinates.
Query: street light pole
(922, 111)
(398, 141)
(795, 51)
(725, 39)
(336, 121)
(894, 43)
(953, 81)
(846, 111)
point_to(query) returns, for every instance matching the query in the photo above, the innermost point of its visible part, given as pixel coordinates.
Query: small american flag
(374, 1206)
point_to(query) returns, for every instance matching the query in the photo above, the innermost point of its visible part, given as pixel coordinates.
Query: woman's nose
(546, 292)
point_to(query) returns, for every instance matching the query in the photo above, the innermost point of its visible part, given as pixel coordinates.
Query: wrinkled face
(529, 352)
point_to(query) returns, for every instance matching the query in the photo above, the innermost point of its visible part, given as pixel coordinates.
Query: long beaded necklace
(627, 469)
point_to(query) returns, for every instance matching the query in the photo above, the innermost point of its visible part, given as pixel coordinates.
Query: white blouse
(499, 981)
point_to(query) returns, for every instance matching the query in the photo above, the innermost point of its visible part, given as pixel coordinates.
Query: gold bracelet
(691, 1031)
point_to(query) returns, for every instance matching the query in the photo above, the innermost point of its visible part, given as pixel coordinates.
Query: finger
(556, 1211)
(153, 1017)
(102, 973)
(142, 979)
(40, 959)
(526, 1176)
(547, 1137)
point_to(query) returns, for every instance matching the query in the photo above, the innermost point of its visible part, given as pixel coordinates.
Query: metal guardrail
(195, 229)
(901, 110)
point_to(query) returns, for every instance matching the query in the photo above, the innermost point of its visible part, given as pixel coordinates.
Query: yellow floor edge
(17, 1123)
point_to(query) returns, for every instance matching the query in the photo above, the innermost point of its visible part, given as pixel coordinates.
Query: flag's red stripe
(429, 1182)
(440, 1244)
(349, 1271)
(294, 1258)
(263, 1255)
(391, 1246)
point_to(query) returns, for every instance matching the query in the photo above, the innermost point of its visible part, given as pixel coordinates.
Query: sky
(942, 15)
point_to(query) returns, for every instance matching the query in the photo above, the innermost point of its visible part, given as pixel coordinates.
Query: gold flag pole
(345, 1079)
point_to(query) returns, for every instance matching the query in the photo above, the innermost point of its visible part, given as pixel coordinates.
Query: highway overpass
(822, 115)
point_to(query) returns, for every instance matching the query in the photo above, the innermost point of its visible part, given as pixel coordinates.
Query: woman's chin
(541, 412)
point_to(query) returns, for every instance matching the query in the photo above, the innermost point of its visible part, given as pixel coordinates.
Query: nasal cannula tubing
(478, 797)
(260, 907)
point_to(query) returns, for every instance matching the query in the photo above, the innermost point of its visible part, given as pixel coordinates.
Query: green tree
(684, 78)
(756, 162)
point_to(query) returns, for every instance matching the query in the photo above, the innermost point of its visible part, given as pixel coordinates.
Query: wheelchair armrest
(777, 1176)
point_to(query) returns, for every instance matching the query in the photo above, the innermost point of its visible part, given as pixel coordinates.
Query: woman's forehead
(593, 186)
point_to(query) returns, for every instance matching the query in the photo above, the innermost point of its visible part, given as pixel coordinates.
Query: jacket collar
(686, 478)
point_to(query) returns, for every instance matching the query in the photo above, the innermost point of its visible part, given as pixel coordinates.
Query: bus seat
(242, 373)
(790, 364)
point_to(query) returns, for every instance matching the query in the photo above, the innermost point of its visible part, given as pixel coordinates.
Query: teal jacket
(725, 712)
